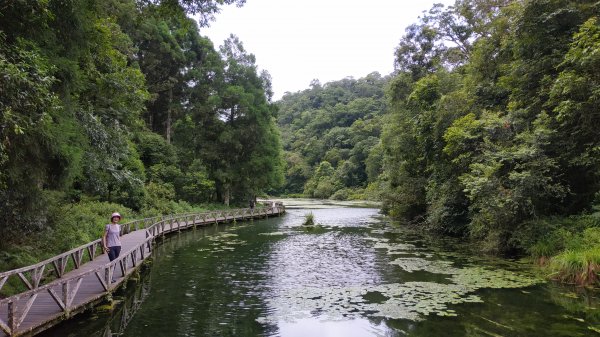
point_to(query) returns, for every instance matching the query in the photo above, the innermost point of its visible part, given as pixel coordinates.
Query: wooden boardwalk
(76, 280)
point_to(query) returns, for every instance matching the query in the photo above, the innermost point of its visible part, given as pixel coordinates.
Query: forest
(330, 135)
(121, 105)
(486, 129)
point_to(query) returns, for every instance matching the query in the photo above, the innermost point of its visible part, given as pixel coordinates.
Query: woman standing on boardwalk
(111, 238)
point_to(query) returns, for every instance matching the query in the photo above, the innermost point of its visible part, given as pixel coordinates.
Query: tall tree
(240, 142)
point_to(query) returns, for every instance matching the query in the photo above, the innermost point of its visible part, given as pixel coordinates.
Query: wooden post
(65, 296)
(2, 281)
(12, 322)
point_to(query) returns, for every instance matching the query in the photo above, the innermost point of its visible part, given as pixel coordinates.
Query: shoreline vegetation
(491, 138)
(78, 224)
(570, 257)
(122, 105)
(82, 224)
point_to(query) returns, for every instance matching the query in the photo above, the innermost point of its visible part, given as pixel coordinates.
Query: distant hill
(330, 135)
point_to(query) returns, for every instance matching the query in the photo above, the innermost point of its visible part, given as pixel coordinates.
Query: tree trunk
(226, 195)
(169, 116)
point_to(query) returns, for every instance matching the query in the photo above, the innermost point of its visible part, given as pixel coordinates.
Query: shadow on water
(106, 320)
(353, 275)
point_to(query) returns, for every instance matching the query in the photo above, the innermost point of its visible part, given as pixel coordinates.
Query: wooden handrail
(32, 276)
(68, 288)
(63, 291)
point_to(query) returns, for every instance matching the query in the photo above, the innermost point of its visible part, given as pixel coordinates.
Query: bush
(342, 194)
(73, 225)
(159, 199)
(551, 244)
(576, 255)
(549, 236)
(350, 194)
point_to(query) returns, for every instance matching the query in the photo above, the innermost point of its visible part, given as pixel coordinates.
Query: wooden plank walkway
(56, 294)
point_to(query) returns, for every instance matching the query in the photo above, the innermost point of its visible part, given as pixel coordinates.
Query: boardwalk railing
(55, 267)
(63, 291)
(176, 223)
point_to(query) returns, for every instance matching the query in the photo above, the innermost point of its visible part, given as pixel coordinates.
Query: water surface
(354, 275)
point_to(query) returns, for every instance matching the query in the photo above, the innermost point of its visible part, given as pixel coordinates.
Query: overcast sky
(297, 41)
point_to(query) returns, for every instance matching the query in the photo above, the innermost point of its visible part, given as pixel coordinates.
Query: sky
(297, 41)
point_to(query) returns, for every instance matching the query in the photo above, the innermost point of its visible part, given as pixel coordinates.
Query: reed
(580, 266)
(309, 219)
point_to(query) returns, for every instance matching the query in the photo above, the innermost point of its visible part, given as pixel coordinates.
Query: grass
(309, 219)
(567, 249)
(580, 267)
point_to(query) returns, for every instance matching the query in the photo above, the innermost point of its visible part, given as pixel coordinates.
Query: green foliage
(323, 183)
(574, 98)
(154, 149)
(580, 266)
(489, 135)
(196, 186)
(80, 223)
(309, 219)
(338, 123)
(160, 197)
(119, 102)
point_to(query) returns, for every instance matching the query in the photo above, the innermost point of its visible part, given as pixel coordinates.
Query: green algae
(273, 234)
(222, 242)
(477, 277)
(408, 301)
(412, 264)
(411, 301)
(595, 329)
(394, 247)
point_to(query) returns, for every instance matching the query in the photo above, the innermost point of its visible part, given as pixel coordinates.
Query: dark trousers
(113, 252)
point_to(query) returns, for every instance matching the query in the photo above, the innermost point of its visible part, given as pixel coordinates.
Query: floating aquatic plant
(411, 264)
(394, 246)
(273, 234)
(410, 300)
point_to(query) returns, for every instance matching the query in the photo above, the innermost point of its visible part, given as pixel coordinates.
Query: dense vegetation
(328, 133)
(487, 130)
(123, 105)
(491, 132)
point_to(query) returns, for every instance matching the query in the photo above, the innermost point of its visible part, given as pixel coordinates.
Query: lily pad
(273, 234)
(411, 300)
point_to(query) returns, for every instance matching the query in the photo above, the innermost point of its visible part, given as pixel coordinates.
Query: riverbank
(564, 249)
(71, 225)
(567, 249)
(366, 276)
(326, 203)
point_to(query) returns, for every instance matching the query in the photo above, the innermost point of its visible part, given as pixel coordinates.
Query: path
(57, 294)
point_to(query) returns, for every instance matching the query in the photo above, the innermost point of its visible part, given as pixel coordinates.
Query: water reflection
(307, 261)
(129, 306)
(105, 321)
(353, 275)
(358, 327)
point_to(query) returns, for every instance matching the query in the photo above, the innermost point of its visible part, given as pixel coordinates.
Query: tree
(336, 122)
(27, 142)
(244, 153)
(573, 102)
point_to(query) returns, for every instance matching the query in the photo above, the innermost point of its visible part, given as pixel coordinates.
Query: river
(353, 275)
